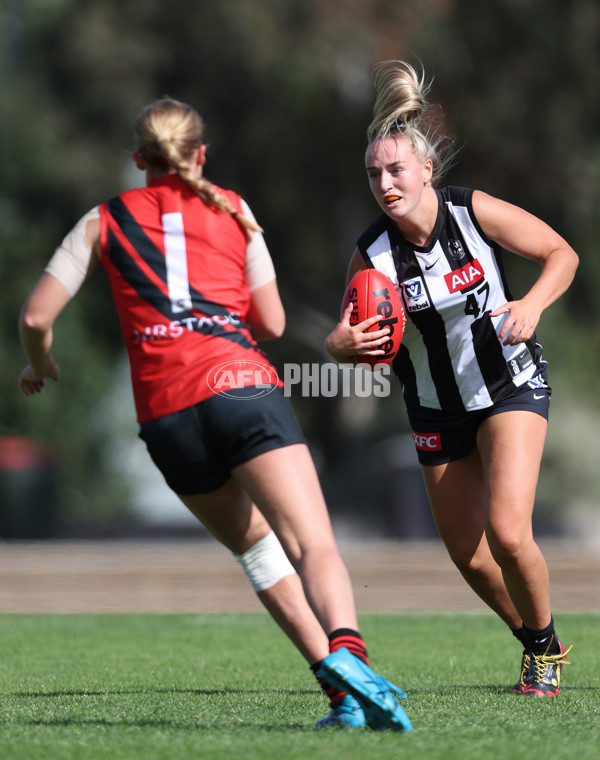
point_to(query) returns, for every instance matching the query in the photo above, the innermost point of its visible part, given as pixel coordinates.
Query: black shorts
(196, 449)
(440, 437)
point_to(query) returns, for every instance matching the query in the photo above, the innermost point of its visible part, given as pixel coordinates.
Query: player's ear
(139, 161)
(200, 156)
(427, 171)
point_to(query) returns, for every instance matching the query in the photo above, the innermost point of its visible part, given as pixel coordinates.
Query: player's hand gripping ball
(372, 293)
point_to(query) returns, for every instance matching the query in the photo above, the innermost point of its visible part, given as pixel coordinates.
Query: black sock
(333, 695)
(543, 641)
(521, 634)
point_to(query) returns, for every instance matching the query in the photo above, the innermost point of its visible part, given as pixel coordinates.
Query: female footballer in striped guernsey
(194, 289)
(474, 380)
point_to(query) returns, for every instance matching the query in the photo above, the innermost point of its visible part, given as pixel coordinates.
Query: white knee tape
(265, 563)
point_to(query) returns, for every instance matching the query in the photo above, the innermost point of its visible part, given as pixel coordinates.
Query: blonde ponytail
(401, 108)
(401, 98)
(167, 133)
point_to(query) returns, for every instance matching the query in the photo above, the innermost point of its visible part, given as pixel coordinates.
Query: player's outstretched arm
(48, 298)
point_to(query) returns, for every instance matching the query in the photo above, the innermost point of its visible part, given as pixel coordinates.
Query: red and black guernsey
(176, 268)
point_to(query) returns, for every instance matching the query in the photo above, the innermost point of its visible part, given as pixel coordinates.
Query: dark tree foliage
(285, 89)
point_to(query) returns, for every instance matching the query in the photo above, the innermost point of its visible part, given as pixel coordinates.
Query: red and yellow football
(372, 294)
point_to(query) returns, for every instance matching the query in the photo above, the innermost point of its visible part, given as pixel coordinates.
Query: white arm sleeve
(73, 260)
(259, 265)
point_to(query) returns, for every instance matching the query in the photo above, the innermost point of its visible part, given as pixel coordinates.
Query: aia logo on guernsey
(228, 378)
(462, 278)
(427, 441)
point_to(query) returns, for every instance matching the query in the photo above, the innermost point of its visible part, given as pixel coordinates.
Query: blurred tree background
(285, 89)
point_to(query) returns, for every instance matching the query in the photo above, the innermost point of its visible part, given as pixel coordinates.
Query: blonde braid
(205, 189)
(167, 133)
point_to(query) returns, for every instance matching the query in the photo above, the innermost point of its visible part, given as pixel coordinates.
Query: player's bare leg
(235, 521)
(511, 446)
(456, 493)
(285, 486)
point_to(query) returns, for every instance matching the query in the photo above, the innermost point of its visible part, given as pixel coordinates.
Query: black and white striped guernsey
(450, 358)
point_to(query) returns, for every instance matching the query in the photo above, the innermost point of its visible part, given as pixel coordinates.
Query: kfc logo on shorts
(229, 377)
(427, 441)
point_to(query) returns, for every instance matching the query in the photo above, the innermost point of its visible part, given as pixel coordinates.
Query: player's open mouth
(389, 199)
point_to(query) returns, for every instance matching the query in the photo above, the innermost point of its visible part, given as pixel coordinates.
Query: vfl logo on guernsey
(415, 296)
(465, 277)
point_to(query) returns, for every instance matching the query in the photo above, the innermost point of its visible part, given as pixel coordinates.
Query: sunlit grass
(231, 686)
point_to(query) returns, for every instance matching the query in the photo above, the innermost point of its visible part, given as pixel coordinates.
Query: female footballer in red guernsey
(194, 289)
(472, 372)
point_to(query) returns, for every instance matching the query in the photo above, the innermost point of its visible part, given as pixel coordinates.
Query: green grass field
(78, 687)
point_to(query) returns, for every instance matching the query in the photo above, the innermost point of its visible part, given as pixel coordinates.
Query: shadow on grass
(190, 725)
(444, 691)
(215, 721)
(488, 689)
(195, 692)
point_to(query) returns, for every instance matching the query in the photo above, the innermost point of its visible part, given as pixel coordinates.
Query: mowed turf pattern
(83, 687)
